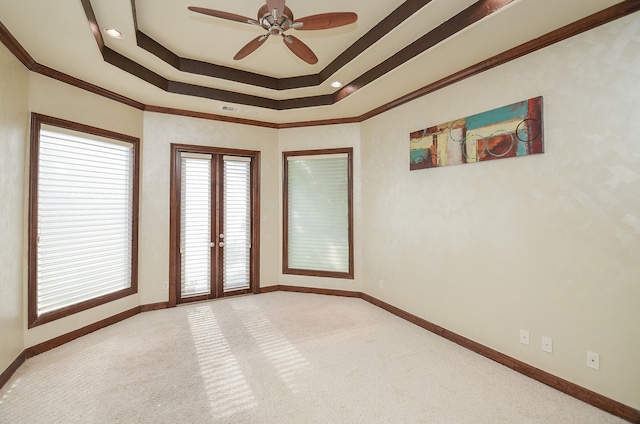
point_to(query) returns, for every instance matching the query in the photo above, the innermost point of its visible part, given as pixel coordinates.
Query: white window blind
(237, 222)
(318, 212)
(195, 224)
(84, 219)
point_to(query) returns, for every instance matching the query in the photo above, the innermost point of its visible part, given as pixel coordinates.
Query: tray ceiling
(173, 58)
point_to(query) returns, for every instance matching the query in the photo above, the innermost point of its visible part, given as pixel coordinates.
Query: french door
(213, 223)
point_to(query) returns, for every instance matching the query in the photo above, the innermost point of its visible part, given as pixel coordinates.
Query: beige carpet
(276, 358)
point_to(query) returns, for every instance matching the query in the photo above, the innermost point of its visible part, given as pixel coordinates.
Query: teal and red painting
(505, 132)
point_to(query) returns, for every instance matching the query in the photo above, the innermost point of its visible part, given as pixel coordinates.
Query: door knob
(221, 244)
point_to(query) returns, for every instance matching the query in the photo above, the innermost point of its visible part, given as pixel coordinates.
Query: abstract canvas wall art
(505, 132)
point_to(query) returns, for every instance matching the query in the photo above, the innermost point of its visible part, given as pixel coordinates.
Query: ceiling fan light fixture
(336, 84)
(113, 33)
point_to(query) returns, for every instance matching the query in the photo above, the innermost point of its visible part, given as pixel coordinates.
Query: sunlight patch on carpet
(281, 352)
(226, 385)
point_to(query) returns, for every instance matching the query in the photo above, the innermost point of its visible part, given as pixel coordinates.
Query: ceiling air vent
(226, 108)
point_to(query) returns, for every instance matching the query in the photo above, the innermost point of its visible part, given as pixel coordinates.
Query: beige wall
(14, 120)
(159, 132)
(53, 98)
(547, 243)
(327, 137)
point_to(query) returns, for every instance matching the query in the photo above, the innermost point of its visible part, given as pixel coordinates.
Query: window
(318, 213)
(82, 218)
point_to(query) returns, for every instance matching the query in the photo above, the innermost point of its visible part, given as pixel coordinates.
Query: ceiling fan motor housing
(275, 23)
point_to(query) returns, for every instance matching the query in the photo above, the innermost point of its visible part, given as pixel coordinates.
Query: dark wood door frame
(216, 193)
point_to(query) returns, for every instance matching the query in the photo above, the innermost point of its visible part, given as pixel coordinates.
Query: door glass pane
(195, 225)
(237, 223)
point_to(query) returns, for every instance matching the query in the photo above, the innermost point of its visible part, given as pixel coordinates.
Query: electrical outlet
(524, 337)
(165, 285)
(381, 284)
(593, 360)
(547, 344)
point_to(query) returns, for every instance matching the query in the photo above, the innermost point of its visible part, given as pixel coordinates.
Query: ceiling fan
(277, 19)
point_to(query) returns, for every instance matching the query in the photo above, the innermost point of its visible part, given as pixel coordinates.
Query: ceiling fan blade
(300, 49)
(325, 21)
(223, 15)
(276, 4)
(250, 47)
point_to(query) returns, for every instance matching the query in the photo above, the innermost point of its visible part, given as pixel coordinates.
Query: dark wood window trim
(285, 214)
(174, 218)
(37, 121)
